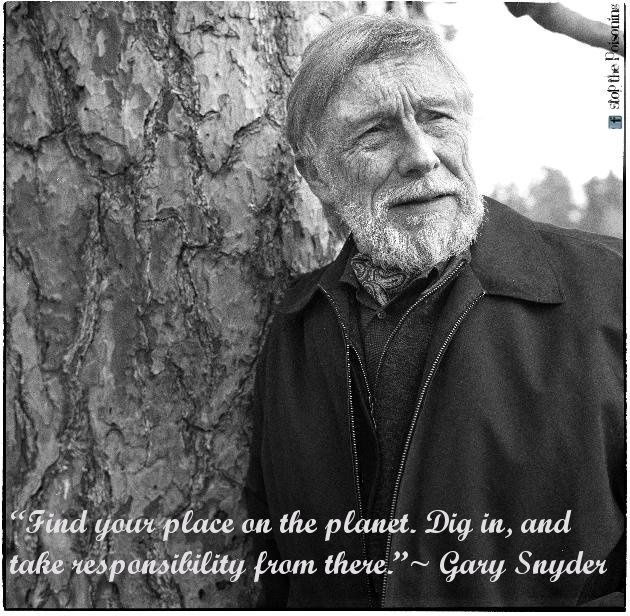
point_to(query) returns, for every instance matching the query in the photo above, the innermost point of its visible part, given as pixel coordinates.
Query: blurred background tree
(550, 200)
(604, 206)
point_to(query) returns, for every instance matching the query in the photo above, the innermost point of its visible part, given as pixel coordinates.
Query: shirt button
(381, 315)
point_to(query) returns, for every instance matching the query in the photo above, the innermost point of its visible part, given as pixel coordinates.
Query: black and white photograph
(314, 305)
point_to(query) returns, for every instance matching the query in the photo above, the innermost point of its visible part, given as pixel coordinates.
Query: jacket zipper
(355, 463)
(412, 426)
(349, 345)
(402, 319)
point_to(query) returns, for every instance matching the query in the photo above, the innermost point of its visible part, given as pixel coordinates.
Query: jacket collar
(509, 258)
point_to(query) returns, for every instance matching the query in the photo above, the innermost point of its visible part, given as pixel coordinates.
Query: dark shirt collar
(416, 284)
(349, 277)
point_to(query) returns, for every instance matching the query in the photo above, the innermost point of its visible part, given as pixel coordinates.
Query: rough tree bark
(153, 216)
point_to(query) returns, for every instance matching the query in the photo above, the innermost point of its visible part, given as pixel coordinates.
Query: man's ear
(318, 184)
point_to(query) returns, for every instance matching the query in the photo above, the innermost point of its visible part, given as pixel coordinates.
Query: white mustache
(421, 191)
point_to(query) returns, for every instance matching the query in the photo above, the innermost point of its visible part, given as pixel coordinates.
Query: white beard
(427, 240)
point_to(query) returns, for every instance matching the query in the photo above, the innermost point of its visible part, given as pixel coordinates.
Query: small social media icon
(614, 122)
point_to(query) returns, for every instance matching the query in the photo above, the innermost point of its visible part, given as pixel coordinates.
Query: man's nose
(417, 155)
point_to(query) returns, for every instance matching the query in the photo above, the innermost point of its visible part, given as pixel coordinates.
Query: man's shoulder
(587, 266)
(304, 287)
(566, 249)
(582, 259)
(556, 236)
(583, 242)
(300, 291)
(285, 331)
(518, 257)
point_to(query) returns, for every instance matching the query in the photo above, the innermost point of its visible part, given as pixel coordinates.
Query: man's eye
(436, 117)
(373, 130)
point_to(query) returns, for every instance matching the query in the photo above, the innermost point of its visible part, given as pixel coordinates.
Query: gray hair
(349, 43)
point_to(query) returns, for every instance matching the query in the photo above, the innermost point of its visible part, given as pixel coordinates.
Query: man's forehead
(375, 85)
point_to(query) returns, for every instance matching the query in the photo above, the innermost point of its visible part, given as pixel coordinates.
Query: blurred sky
(540, 97)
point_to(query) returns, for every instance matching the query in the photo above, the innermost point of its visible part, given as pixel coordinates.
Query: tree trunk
(153, 217)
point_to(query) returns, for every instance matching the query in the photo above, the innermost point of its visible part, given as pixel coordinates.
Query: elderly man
(456, 364)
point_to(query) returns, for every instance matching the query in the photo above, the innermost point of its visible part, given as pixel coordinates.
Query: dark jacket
(520, 415)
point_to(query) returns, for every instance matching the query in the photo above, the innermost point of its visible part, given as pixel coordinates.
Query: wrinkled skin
(392, 163)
